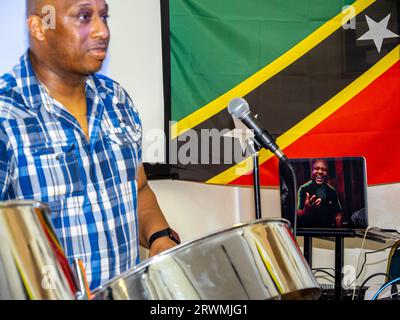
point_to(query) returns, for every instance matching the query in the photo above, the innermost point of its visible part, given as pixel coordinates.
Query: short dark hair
(319, 160)
(31, 6)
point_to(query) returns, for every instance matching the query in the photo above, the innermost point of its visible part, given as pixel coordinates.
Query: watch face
(174, 236)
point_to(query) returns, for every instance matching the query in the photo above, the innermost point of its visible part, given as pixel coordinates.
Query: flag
(322, 76)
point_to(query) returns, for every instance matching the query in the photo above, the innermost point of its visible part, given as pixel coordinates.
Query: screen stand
(338, 236)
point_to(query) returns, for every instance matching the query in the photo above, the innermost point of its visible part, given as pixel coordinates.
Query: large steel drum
(32, 262)
(258, 260)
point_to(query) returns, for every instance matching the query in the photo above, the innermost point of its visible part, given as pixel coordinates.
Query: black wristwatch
(165, 233)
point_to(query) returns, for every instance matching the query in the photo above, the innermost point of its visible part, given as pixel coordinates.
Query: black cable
(334, 270)
(294, 185)
(323, 271)
(389, 231)
(365, 258)
(369, 278)
(288, 175)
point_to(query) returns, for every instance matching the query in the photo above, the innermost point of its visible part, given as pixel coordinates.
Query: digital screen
(330, 192)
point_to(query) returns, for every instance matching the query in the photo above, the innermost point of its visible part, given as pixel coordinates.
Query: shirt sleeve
(5, 165)
(301, 198)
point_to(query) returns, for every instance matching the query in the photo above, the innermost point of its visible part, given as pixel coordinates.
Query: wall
(193, 209)
(12, 33)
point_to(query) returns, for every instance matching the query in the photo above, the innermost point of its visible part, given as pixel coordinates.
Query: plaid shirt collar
(30, 88)
(36, 96)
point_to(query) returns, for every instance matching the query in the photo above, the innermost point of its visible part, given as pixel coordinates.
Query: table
(338, 236)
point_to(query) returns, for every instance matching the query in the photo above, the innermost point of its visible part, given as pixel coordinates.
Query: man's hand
(312, 202)
(309, 202)
(161, 244)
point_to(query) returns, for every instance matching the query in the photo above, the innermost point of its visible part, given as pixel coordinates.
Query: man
(318, 203)
(72, 139)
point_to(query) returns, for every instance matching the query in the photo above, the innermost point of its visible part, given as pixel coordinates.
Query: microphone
(239, 109)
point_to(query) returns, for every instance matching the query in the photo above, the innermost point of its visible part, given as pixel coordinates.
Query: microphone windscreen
(238, 108)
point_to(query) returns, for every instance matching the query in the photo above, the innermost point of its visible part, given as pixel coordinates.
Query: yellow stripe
(269, 71)
(269, 269)
(28, 290)
(315, 118)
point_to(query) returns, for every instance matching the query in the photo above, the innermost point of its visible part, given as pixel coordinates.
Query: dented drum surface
(253, 261)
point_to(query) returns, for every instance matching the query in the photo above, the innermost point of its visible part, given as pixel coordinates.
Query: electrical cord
(294, 185)
(333, 269)
(387, 284)
(359, 259)
(363, 265)
(323, 271)
(289, 178)
(365, 258)
(358, 265)
(369, 278)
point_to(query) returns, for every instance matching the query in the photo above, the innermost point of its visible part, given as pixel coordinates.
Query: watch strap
(164, 233)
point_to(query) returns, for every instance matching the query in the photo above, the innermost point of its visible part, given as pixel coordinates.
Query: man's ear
(36, 27)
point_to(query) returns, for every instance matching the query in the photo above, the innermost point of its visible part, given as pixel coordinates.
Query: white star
(241, 132)
(378, 31)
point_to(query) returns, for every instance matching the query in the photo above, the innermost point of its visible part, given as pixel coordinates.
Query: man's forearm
(151, 218)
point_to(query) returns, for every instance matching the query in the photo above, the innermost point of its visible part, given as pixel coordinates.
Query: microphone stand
(254, 149)
(289, 176)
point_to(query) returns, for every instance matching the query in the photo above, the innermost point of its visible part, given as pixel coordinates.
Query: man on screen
(318, 203)
(72, 138)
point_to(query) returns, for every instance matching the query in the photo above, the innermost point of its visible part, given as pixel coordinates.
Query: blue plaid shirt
(90, 187)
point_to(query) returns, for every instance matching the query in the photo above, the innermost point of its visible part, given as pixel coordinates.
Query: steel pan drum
(32, 262)
(254, 261)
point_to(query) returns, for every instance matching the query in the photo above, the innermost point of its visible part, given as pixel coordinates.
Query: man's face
(80, 40)
(320, 172)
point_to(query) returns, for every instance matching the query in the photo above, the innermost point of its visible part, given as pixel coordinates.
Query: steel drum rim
(36, 204)
(159, 256)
